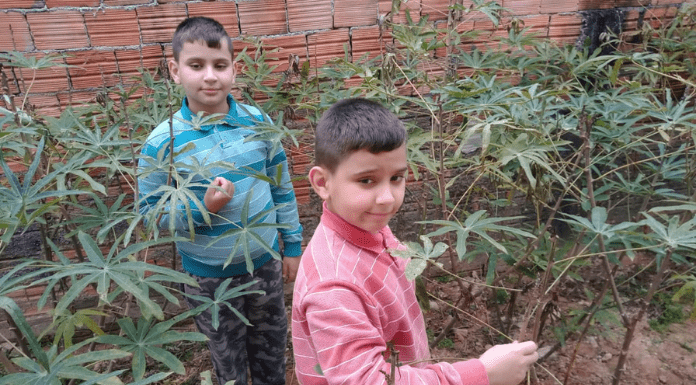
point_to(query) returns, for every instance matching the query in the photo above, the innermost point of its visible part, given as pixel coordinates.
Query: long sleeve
(344, 331)
(284, 194)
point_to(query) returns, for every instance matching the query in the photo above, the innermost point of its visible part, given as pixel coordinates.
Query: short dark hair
(200, 28)
(356, 124)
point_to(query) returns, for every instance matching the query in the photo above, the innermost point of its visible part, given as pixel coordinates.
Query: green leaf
(145, 338)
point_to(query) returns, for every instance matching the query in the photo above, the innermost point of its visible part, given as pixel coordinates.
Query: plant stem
(628, 338)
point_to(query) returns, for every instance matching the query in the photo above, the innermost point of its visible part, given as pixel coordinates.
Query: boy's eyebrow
(373, 169)
(193, 58)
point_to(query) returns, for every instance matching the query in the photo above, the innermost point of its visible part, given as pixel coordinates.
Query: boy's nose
(385, 195)
(209, 73)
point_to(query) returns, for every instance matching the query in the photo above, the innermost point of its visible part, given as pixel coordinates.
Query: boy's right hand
(508, 364)
(218, 194)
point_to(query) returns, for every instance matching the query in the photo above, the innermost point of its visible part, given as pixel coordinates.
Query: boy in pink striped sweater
(352, 300)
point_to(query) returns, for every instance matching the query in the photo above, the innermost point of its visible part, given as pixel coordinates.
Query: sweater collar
(375, 242)
(232, 118)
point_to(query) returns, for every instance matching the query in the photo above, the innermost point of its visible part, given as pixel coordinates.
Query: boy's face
(207, 75)
(366, 189)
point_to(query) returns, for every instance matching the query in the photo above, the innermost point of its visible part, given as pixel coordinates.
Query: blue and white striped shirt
(201, 154)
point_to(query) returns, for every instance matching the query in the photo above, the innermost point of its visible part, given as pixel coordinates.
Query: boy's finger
(528, 347)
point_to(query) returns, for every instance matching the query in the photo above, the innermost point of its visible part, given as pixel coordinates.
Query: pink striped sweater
(351, 299)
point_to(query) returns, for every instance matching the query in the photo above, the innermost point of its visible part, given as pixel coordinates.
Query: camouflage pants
(234, 345)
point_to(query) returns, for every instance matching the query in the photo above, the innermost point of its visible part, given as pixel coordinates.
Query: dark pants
(234, 345)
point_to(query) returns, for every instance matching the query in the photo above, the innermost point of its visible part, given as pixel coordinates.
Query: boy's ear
(318, 178)
(174, 70)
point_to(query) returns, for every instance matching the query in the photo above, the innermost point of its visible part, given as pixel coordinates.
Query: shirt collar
(375, 242)
(233, 118)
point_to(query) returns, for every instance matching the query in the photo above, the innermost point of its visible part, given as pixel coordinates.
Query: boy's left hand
(290, 266)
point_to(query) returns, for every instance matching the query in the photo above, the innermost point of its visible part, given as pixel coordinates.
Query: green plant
(599, 149)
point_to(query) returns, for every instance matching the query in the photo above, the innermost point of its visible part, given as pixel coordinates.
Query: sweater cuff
(292, 249)
(472, 372)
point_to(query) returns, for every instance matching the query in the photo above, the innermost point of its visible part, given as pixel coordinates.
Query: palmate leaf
(25, 200)
(65, 366)
(105, 271)
(171, 198)
(144, 339)
(96, 140)
(529, 154)
(246, 233)
(674, 235)
(100, 216)
(66, 323)
(21, 60)
(476, 223)
(222, 295)
(271, 132)
(419, 256)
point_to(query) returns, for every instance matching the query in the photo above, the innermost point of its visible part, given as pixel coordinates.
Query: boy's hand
(508, 364)
(218, 194)
(290, 266)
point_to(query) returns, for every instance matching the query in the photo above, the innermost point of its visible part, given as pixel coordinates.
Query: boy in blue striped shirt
(218, 163)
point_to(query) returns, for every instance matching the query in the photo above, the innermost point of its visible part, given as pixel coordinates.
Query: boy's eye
(221, 66)
(195, 66)
(365, 181)
(397, 178)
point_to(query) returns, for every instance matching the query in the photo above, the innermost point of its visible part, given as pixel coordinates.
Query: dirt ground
(655, 357)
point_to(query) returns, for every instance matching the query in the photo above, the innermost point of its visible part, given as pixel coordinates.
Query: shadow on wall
(597, 28)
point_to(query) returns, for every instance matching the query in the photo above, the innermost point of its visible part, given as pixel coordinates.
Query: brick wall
(109, 40)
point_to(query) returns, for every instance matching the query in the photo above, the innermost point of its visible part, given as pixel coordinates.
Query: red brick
(126, 2)
(631, 21)
(71, 3)
(169, 53)
(47, 104)
(366, 40)
(354, 13)
(565, 28)
(585, 5)
(558, 6)
(157, 24)
(129, 61)
(92, 69)
(52, 79)
(58, 30)
(225, 13)
(385, 6)
(538, 25)
(435, 9)
(308, 15)
(631, 3)
(15, 32)
(77, 98)
(112, 27)
(660, 17)
(263, 17)
(522, 7)
(20, 4)
(279, 49)
(324, 46)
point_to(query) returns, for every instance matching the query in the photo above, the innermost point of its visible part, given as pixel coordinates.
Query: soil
(665, 357)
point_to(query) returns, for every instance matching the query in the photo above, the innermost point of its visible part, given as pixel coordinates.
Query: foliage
(597, 150)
